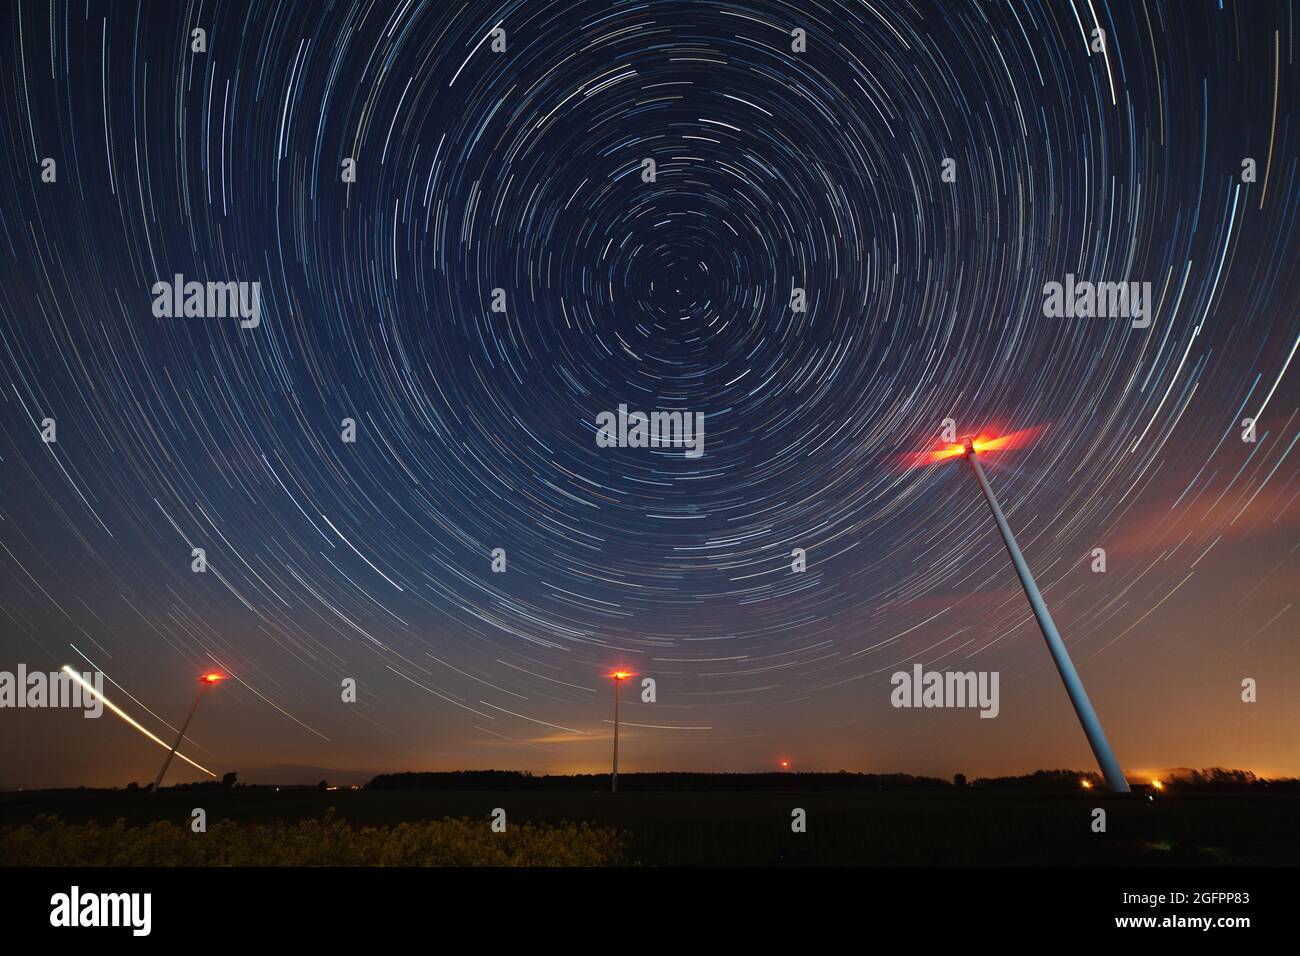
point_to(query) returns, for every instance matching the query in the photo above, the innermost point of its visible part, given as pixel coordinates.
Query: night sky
(523, 171)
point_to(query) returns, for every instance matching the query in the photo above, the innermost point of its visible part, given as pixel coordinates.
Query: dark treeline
(1211, 779)
(1042, 780)
(517, 780)
(1214, 779)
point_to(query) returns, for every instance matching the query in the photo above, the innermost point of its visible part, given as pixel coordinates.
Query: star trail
(823, 227)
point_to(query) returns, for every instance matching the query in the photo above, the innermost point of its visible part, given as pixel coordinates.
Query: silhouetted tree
(228, 781)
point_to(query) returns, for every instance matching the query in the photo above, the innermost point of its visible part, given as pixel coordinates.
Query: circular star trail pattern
(775, 170)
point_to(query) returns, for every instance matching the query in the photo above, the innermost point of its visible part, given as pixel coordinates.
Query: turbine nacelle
(980, 442)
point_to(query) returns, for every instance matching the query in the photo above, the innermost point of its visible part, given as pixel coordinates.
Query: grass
(49, 841)
(955, 827)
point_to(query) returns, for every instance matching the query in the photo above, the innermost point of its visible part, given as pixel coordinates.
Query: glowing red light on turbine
(785, 765)
(212, 678)
(983, 442)
(939, 454)
(621, 675)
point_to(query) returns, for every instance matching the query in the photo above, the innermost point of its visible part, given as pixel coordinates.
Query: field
(952, 827)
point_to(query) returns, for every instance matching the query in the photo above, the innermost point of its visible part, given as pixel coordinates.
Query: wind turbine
(619, 677)
(970, 449)
(206, 681)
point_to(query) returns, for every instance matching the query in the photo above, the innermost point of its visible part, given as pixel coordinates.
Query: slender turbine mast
(619, 677)
(1110, 768)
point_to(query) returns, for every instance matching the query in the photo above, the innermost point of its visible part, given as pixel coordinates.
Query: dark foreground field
(954, 827)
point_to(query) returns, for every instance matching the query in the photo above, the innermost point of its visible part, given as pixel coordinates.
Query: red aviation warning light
(983, 442)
